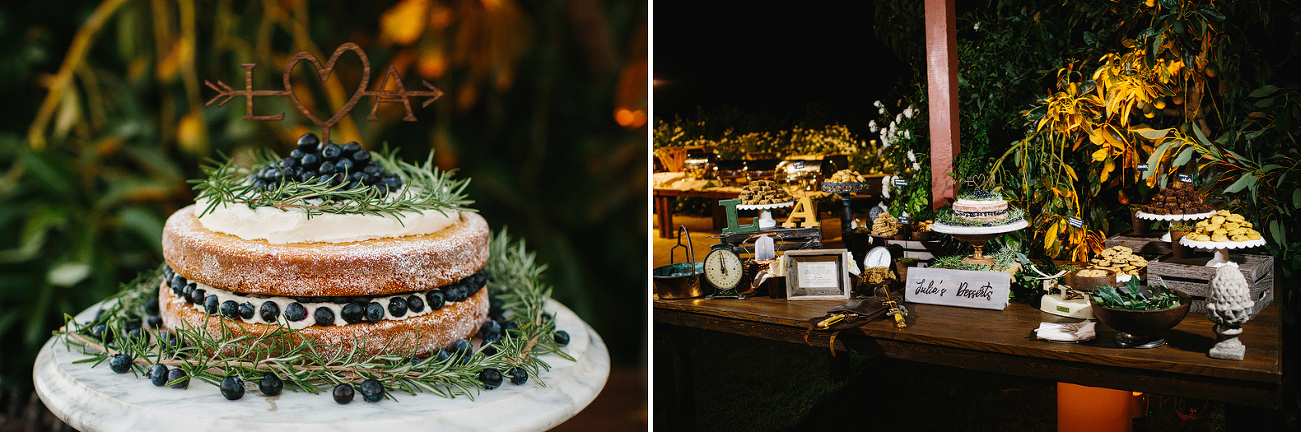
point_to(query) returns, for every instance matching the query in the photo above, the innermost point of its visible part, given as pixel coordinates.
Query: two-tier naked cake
(980, 205)
(409, 281)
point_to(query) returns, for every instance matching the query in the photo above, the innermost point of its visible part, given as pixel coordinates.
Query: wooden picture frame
(817, 274)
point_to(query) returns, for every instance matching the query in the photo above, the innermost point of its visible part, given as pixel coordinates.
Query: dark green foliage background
(86, 213)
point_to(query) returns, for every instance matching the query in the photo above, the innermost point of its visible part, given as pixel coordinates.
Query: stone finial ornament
(1228, 305)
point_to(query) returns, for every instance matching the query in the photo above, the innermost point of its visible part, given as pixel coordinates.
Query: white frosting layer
(292, 226)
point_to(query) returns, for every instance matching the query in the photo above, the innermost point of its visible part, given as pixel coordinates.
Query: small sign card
(962, 288)
(1186, 178)
(1075, 222)
(1142, 167)
(903, 219)
(900, 182)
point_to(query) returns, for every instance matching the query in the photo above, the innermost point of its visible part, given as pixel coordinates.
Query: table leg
(664, 213)
(684, 393)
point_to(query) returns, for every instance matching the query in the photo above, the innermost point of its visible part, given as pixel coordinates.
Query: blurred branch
(76, 55)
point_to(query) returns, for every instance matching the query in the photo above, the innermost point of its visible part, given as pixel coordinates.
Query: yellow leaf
(404, 22)
(1101, 154)
(1050, 235)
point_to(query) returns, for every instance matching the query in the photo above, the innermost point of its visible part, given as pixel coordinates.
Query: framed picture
(817, 274)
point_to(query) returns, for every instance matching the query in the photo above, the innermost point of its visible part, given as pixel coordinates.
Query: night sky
(771, 56)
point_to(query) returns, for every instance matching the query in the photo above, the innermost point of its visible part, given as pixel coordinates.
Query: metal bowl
(678, 281)
(1141, 329)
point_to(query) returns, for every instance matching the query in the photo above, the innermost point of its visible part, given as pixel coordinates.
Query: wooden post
(942, 92)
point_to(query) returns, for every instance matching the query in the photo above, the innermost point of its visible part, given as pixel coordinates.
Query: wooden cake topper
(978, 181)
(225, 93)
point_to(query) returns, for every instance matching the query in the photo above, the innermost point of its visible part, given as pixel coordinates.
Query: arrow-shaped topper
(399, 95)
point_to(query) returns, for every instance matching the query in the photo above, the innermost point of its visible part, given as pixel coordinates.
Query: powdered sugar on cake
(278, 226)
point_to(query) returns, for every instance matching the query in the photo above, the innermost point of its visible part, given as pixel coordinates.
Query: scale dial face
(723, 268)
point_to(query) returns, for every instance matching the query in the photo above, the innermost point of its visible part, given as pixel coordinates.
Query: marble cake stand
(99, 400)
(1221, 249)
(977, 236)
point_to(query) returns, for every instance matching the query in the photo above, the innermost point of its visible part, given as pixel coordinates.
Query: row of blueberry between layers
(293, 312)
(979, 214)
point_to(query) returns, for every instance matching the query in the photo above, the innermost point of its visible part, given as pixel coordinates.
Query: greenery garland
(946, 216)
(427, 189)
(303, 365)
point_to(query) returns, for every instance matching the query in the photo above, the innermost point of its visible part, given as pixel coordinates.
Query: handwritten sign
(1186, 178)
(962, 288)
(900, 182)
(1142, 167)
(903, 219)
(1075, 222)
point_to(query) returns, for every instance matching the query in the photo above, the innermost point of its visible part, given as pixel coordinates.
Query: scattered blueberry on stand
(154, 321)
(232, 387)
(488, 350)
(518, 376)
(102, 332)
(372, 390)
(491, 378)
(463, 349)
(120, 363)
(270, 385)
(152, 306)
(158, 375)
(495, 307)
(178, 374)
(443, 355)
(342, 393)
(490, 330)
(562, 337)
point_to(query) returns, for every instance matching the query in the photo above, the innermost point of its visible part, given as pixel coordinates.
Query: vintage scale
(725, 270)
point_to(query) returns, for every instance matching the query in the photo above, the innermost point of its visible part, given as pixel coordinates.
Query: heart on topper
(399, 95)
(324, 73)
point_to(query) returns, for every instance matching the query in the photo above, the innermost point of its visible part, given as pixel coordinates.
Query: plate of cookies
(1224, 230)
(1120, 260)
(764, 194)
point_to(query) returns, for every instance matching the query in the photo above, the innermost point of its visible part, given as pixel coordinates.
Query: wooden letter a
(803, 210)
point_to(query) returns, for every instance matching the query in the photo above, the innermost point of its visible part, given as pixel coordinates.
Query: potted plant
(901, 266)
(1140, 225)
(1139, 314)
(1177, 231)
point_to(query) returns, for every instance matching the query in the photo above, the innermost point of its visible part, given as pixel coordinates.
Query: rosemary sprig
(310, 367)
(427, 188)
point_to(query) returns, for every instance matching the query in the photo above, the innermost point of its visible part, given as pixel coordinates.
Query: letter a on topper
(803, 210)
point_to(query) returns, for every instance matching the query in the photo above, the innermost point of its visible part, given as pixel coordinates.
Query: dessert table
(98, 399)
(1000, 342)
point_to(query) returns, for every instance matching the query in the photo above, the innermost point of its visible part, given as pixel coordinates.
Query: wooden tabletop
(1003, 342)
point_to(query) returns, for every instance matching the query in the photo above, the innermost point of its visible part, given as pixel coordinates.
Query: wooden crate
(1191, 276)
(914, 249)
(1149, 244)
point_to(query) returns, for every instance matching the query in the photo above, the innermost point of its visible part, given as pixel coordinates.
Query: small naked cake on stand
(976, 217)
(410, 281)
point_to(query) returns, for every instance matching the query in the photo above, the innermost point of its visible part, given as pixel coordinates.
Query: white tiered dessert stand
(1221, 249)
(1172, 218)
(765, 212)
(96, 399)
